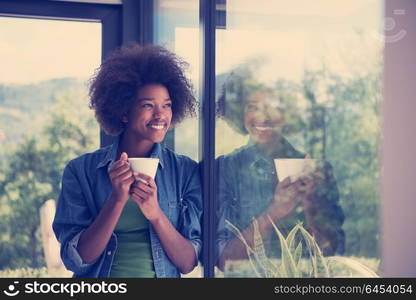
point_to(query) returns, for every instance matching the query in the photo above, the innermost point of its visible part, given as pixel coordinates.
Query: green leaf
(268, 267)
(288, 266)
(360, 269)
(250, 252)
(298, 255)
(291, 238)
(319, 265)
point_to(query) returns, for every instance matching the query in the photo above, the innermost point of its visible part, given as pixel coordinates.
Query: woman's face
(150, 117)
(263, 118)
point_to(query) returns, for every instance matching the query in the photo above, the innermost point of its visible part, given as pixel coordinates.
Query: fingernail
(142, 180)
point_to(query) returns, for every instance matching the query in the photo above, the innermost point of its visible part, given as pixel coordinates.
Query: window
(296, 83)
(294, 80)
(175, 24)
(44, 121)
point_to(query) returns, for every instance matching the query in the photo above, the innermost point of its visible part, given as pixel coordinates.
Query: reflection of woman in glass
(247, 181)
(108, 223)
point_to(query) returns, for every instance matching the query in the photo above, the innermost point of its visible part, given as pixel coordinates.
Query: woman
(108, 223)
(248, 187)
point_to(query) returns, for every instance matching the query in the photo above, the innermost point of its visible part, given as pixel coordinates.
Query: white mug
(145, 165)
(293, 167)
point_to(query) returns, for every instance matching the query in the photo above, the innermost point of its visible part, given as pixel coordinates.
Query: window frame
(110, 16)
(207, 14)
(133, 21)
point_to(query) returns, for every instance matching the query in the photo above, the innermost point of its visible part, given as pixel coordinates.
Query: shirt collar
(157, 152)
(257, 154)
(111, 153)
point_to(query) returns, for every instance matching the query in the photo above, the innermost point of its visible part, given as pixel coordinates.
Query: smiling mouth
(265, 127)
(157, 126)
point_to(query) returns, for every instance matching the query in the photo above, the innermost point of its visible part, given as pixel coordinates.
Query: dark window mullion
(138, 21)
(111, 33)
(207, 129)
(43, 9)
(137, 26)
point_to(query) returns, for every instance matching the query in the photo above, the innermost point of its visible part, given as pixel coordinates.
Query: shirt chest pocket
(172, 207)
(175, 206)
(173, 203)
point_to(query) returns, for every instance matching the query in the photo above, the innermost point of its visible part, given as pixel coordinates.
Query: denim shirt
(86, 186)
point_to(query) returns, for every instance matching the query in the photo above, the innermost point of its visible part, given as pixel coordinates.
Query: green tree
(32, 175)
(345, 130)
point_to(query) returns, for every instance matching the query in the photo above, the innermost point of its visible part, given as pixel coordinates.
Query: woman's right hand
(121, 178)
(287, 197)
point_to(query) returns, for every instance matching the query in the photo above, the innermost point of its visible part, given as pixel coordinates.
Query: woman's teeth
(158, 127)
(261, 128)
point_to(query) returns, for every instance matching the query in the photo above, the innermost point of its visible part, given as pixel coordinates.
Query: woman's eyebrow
(252, 102)
(146, 98)
(151, 99)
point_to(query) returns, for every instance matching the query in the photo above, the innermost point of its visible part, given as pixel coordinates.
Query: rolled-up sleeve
(224, 193)
(191, 208)
(71, 219)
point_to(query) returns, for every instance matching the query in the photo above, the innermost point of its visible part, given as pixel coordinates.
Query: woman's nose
(157, 111)
(264, 113)
(268, 115)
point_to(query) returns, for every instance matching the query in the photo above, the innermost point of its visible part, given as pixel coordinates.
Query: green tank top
(133, 257)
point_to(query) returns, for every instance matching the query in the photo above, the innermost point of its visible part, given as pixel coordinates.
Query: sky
(33, 50)
(292, 35)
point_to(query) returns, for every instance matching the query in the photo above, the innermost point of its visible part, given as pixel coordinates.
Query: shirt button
(109, 253)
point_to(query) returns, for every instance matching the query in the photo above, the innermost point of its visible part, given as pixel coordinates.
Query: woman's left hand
(144, 193)
(314, 181)
(314, 210)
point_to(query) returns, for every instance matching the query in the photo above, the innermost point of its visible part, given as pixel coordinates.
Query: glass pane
(176, 23)
(44, 122)
(297, 133)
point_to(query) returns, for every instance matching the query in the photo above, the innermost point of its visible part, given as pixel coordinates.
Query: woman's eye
(147, 105)
(168, 105)
(251, 107)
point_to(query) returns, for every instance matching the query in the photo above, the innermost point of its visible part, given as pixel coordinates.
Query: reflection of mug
(293, 167)
(145, 165)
